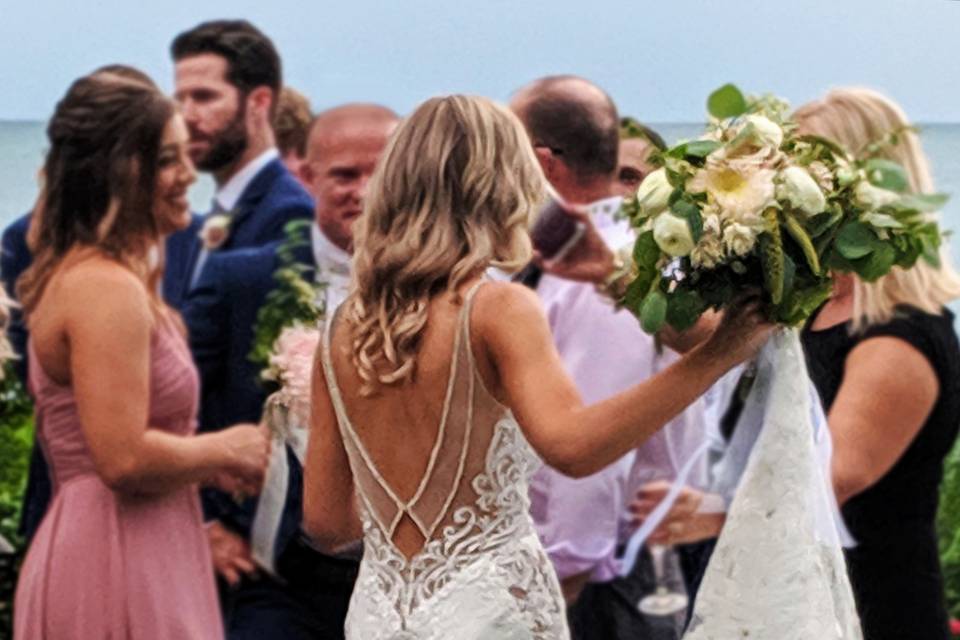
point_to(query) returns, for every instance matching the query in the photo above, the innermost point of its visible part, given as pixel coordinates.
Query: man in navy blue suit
(309, 593)
(228, 80)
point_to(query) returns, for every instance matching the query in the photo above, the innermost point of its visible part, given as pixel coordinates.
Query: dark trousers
(309, 604)
(608, 610)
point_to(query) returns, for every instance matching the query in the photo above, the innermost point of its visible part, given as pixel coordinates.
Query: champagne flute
(663, 601)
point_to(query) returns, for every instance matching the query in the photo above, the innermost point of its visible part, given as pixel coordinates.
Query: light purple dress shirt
(582, 521)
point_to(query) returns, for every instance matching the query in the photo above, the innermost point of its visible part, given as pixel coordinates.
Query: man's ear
(307, 173)
(260, 101)
(547, 160)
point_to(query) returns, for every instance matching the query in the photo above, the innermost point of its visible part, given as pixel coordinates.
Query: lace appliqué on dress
(488, 559)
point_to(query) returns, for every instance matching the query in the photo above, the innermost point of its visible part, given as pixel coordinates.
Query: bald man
(274, 585)
(584, 523)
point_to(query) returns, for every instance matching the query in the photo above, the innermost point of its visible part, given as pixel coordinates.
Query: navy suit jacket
(15, 258)
(221, 314)
(271, 200)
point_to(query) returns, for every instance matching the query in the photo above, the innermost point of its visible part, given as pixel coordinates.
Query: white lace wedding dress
(482, 573)
(778, 571)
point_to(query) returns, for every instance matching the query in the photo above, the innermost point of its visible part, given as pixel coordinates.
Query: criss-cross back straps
(383, 503)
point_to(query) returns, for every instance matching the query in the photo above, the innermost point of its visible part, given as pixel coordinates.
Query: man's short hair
(252, 60)
(291, 122)
(630, 127)
(585, 135)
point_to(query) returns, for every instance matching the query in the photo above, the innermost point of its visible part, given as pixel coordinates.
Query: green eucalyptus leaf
(886, 174)
(881, 220)
(646, 253)
(931, 251)
(856, 240)
(923, 202)
(637, 290)
(691, 213)
(877, 264)
(684, 308)
(726, 102)
(653, 311)
(702, 148)
(822, 222)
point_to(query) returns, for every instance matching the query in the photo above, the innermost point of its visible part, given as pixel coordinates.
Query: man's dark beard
(226, 145)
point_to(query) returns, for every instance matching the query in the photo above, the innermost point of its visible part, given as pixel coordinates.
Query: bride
(436, 394)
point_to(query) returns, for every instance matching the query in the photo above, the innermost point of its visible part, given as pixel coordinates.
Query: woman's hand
(247, 449)
(684, 522)
(741, 332)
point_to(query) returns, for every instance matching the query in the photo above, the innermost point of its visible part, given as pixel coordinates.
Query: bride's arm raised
(579, 440)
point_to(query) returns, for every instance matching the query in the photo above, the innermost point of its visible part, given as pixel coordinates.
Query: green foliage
(294, 300)
(856, 240)
(772, 257)
(948, 530)
(653, 312)
(886, 174)
(684, 308)
(691, 213)
(864, 220)
(16, 443)
(726, 102)
(802, 238)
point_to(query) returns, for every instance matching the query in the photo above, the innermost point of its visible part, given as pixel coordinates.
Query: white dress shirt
(333, 267)
(581, 522)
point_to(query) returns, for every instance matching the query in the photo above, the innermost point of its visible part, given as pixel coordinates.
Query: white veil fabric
(778, 569)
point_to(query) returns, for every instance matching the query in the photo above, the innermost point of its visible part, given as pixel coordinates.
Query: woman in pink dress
(121, 553)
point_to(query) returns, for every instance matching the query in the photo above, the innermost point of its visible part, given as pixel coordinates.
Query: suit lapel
(252, 196)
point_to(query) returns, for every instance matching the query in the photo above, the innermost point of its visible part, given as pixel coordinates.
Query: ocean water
(22, 145)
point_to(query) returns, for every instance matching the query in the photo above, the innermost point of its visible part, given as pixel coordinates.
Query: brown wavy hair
(99, 180)
(453, 194)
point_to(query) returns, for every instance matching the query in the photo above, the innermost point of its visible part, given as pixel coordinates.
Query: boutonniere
(215, 231)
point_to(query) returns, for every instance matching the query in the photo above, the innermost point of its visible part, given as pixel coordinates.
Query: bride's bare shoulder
(507, 308)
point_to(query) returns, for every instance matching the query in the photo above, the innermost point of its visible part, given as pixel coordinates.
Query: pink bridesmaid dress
(111, 566)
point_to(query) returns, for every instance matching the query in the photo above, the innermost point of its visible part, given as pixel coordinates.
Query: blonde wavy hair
(855, 118)
(453, 195)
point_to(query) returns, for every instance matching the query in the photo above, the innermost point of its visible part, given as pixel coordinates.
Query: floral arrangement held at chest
(754, 203)
(757, 205)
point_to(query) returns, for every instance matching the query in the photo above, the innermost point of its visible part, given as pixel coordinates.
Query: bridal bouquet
(753, 203)
(290, 366)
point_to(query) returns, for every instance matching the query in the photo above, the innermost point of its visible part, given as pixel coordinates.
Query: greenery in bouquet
(756, 204)
(286, 335)
(295, 300)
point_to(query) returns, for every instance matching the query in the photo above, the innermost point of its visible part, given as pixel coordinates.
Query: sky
(658, 60)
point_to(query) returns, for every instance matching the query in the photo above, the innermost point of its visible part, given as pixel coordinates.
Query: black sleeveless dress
(895, 568)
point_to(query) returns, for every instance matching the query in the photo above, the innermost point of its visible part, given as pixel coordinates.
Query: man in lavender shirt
(574, 128)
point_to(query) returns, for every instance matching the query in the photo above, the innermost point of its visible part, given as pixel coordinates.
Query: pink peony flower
(291, 365)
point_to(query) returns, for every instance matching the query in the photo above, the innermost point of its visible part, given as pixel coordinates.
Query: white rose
(654, 192)
(765, 132)
(872, 197)
(797, 187)
(672, 235)
(739, 239)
